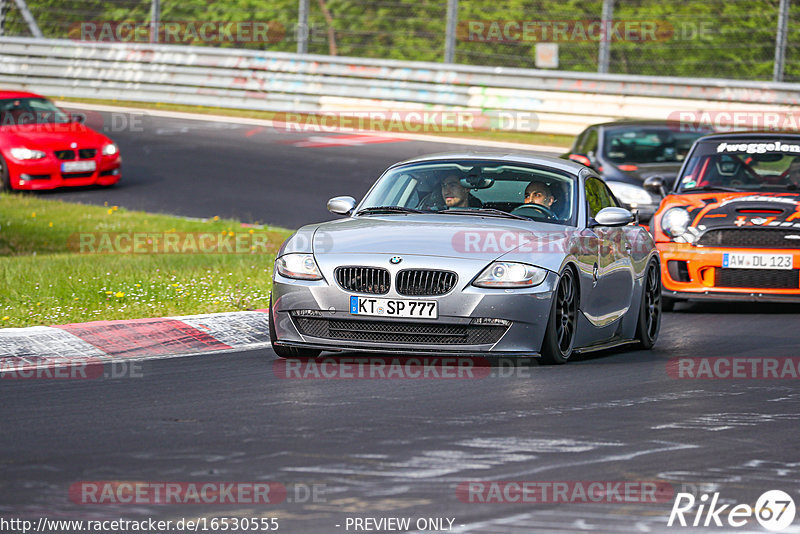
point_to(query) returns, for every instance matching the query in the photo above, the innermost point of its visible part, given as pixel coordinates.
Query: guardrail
(563, 102)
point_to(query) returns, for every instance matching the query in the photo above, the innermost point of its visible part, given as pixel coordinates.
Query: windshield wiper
(485, 211)
(713, 188)
(387, 209)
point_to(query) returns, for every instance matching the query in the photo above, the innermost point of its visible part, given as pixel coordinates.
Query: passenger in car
(456, 195)
(793, 178)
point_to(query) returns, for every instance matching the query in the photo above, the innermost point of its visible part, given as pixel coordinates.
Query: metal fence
(557, 102)
(733, 39)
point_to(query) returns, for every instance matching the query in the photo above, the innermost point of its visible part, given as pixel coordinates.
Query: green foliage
(697, 38)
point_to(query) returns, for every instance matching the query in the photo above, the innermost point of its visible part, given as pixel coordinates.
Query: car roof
(18, 94)
(751, 134)
(527, 159)
(626, 123)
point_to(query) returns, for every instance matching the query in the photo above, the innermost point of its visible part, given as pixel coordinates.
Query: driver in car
(539, 193)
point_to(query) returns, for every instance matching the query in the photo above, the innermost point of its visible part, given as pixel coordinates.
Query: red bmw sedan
(43, 147)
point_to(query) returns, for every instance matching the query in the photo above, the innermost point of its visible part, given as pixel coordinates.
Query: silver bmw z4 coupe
(470, 255)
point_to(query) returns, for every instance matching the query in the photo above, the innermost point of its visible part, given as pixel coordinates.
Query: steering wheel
(520, 210)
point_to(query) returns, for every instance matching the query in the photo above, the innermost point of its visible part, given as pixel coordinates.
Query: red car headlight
(26, 153)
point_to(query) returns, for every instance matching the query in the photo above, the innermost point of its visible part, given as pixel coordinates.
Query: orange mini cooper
(729, 228)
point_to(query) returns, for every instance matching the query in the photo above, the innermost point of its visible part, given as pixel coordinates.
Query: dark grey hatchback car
(637, 159)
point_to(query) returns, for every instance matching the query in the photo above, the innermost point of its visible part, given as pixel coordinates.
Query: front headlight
(299, 266)
(675, 222)
(629, 194)
(110, 149)
(506, 274)
(26, 153)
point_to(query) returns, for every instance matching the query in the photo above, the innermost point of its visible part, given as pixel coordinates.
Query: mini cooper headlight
(506, 274)
(26, 153)
(675, 222)
(298, 266)
(110, 149)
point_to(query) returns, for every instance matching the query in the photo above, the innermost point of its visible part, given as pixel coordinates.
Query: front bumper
(702, 265)
(527, 311)
(33, 175)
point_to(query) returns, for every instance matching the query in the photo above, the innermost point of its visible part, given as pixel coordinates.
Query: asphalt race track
(394, 447)
(201, 168)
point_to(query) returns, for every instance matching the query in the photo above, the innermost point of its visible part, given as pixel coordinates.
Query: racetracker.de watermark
(413, 121)
(225, 242)
(577, 242)
(734, 120)
(172, 493)
(564, 31)
(563, 491)
(401, 368)
(179, 32)
(62, 368)
(734, 368)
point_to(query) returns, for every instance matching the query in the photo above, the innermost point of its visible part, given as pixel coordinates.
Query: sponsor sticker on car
(424, 309)
(78, 166)
(757, 261)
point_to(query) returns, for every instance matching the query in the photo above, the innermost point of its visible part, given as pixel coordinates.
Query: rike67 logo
(774, 510)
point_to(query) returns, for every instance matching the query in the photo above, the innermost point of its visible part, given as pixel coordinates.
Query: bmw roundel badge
(395, 260)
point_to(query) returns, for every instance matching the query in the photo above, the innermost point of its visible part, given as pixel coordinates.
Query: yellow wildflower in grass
(251, 231)
(6, 318)
(33, 214)
(138, 285)
(120, 294)
(115, 208)
(216, 217)
(110, 211)
(230, 234)
(76, 299)
(109, 292)
(50, 224)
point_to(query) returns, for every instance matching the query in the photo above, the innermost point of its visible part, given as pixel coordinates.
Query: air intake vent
(372, 280)
(782, 238)
(758, 278)
(424, 282)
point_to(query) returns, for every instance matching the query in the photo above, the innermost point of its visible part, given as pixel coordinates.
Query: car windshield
(648, 144)
(495, 189)
(747, 166)
(19, 111)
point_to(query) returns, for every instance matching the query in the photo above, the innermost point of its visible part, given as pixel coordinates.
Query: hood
(439, 235)
(54, 136)
(646, 170)
(740, 210)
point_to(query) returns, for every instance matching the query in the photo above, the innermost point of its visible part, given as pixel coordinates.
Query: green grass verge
(47, 278)
(554, 140)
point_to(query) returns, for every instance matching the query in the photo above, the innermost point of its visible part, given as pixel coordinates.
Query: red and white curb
(138, 339)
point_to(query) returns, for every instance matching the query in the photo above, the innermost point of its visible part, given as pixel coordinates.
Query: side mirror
(341, 205)
(655, 185)
(612, 217)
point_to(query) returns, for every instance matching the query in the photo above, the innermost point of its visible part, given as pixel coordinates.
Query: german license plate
(78, 166)
(756, 261)
(421, 309)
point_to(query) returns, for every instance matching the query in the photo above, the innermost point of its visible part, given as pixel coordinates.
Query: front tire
(559, 337)
(649, 322)
(288, 352)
